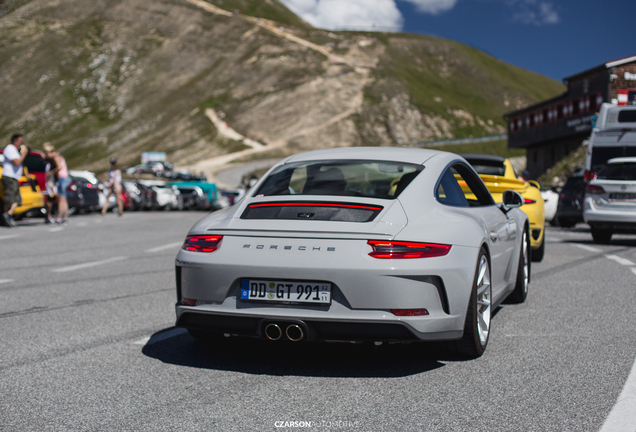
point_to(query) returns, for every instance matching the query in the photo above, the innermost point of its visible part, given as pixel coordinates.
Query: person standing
(114, 187)
(60, 170)
(12, 170)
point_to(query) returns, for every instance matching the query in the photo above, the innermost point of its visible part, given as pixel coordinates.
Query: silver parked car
(357, 244)
(610, 200)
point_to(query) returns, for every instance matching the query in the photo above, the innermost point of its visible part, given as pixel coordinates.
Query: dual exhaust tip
(293, 332)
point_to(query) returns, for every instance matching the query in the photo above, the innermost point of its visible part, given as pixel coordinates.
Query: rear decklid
(316, 217)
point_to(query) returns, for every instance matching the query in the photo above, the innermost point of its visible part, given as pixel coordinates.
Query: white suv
(610, 200)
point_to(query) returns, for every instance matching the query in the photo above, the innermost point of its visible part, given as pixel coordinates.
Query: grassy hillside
(268, 9)
(102, 78)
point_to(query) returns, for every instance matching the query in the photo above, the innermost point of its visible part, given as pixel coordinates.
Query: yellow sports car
(498, 175)
(32, 198)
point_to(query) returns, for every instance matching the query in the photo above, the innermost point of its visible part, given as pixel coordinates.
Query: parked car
(358, 244)
(551, 201)
(499, 175)
(149, 196)
(167, 196)
(193, 197)
(154, 167)
(183, 175)
(94, 181)
(32, 198)
(82, 196)
(209, 189)
(610, 200)
(233, 195)
(613, 136)
(570, 206)
(135, 198)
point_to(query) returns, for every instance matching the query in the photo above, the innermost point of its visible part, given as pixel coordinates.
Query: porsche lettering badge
(300, 248)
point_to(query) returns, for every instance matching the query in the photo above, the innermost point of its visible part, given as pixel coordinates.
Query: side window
(449, 192)
(472, 186)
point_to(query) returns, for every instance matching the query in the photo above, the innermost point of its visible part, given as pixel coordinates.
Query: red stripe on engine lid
(316, 204)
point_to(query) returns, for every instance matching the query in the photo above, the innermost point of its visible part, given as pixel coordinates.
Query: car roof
(620, 160)
(484, 157)
(388, 154)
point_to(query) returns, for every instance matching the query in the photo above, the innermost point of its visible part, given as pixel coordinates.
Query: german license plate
(286, 291)
(623, 196)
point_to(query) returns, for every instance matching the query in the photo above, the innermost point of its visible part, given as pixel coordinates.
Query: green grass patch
(269, 9)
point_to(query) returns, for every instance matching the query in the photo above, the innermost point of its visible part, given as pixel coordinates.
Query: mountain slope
(102, 78)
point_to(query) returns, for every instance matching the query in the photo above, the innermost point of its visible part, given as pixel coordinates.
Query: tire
(477, 325)
(519, 294)
(601, 235)
(537, 254)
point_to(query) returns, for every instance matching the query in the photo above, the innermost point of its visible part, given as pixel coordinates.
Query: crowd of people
(57, 182)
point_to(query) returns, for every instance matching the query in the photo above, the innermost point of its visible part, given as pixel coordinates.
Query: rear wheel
(523, 273)
(537, 254)
(477, 325)
(601, 235)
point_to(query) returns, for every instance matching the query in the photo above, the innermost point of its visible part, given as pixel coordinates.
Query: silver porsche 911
(357, 244)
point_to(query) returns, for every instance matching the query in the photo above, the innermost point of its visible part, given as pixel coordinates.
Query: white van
(614, 135)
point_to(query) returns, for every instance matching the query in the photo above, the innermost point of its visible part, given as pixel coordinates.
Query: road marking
(89, 264)
(622, 417)
(164, 247)
(633, 269)
(554, 240)
(161, 336)
(10, 236)
(5, 281)
(620, 260)
(56, 229)
(588, 248)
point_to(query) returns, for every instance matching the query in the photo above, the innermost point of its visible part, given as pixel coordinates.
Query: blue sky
(556, 38)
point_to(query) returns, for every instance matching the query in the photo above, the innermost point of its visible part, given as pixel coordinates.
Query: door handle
(493, 237)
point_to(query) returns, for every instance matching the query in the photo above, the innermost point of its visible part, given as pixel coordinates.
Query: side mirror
(511, 199)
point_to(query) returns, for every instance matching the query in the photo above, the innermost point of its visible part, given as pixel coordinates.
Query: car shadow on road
(316, 359)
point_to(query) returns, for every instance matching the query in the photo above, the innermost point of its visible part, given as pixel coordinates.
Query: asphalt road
(88, 344)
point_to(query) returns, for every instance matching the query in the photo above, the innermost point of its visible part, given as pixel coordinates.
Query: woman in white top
(114, 187)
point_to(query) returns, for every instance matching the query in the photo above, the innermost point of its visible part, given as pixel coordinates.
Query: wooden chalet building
(551, 129)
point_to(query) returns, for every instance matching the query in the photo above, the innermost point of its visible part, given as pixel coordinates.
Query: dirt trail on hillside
(360, 66)
(280, 31)
(225, 130)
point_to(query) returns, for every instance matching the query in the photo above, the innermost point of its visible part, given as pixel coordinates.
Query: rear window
(600, 155)
(627, 116)
(624, 171)
(488, 167)
(372, 179)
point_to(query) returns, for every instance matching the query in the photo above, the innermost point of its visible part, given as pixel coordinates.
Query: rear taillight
(72, 187)
(589, 175)
(24, 183)
(594, 190)
(202, 243)
(399, 250)
(409, 312)
(528, 201)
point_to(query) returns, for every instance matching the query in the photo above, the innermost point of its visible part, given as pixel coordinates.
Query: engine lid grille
(318, 211)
